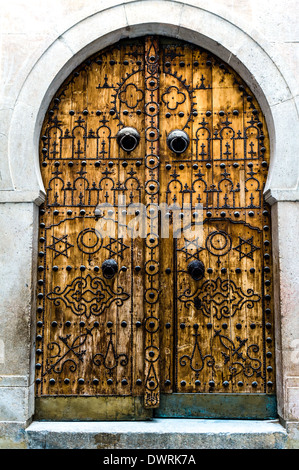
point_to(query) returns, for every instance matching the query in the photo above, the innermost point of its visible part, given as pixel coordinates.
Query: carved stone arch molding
(243, 52)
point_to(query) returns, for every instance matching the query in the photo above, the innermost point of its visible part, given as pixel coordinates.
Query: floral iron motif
(110, 359)
(88, 296)
(219, 298)
(197, 360)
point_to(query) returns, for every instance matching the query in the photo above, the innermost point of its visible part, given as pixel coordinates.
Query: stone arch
(230, 42)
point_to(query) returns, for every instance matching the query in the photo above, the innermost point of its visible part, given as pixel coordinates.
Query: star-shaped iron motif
(116, 247)
(60, 246)
(191, 248)
(244, 244)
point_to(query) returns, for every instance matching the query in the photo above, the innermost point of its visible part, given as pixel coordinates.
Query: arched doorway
(175, 324)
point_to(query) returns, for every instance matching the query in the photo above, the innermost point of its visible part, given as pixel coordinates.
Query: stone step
(158, 434)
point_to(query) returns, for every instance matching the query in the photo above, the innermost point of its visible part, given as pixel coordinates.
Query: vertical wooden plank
(151, 281)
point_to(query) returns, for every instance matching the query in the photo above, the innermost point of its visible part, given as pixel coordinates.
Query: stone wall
(41, 42)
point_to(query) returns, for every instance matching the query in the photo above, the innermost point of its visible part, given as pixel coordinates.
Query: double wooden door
(128, 320)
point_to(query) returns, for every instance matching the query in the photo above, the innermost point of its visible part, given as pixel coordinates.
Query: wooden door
(151, 336)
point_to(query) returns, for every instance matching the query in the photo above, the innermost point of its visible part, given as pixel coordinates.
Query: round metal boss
(178, 141)
(196, 270)
(128, 138)
(109, 268)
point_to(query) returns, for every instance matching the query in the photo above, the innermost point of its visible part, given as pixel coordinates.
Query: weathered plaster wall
(41, 42)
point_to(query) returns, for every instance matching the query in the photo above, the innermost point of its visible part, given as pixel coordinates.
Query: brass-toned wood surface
(152, 327)
(220, 328)
(96, 408)
(95, 345)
